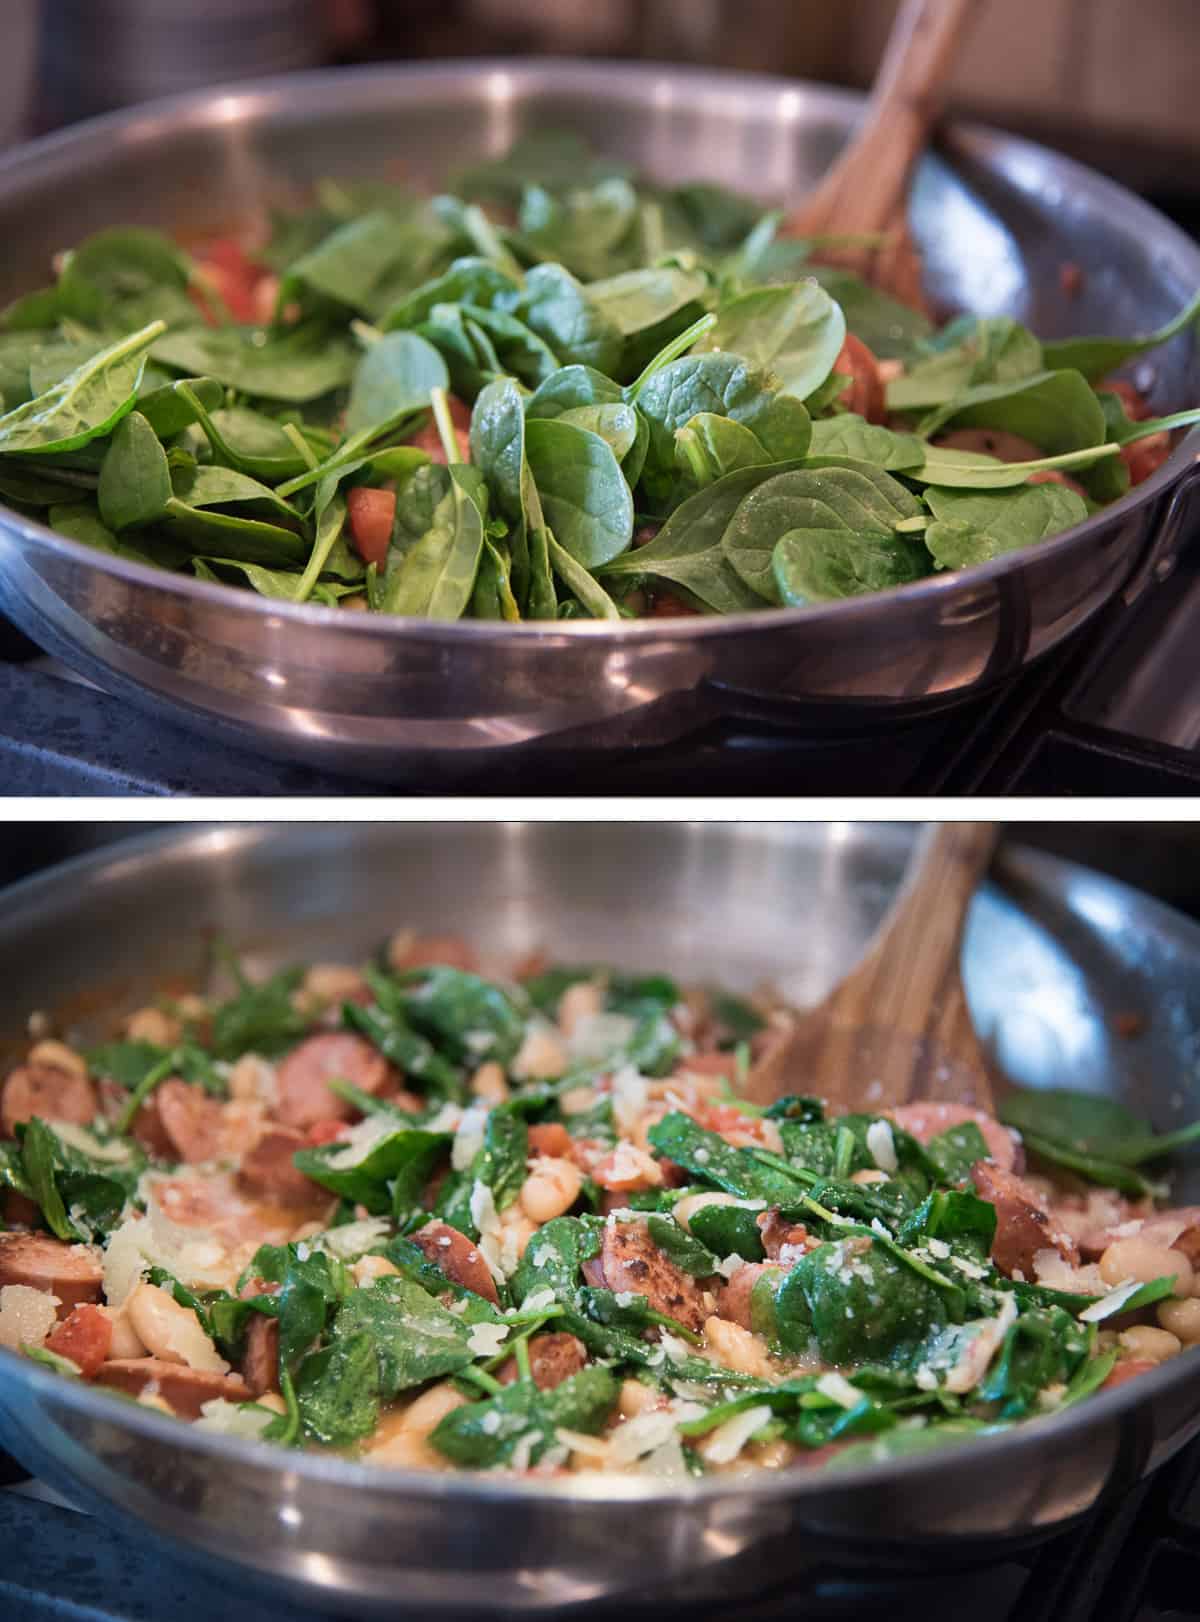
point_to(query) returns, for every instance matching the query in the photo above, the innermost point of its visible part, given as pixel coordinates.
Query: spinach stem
(677, 346)
(521, 1351)
(445, 425)
(144, 1088)
(311, 459)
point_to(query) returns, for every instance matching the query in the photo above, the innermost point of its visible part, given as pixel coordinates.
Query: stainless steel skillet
(717, 899)
(996, 218)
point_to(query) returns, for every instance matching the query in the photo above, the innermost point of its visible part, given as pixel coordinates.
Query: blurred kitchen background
(1112, 81)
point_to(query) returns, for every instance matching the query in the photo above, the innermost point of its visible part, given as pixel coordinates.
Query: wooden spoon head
(865, 1067)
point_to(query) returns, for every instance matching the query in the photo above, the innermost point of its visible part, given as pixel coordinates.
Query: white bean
(737, 1348)
(685, 1209)
(489, 1084)
(152, 1025)
(581, 1001)
(1181, 1318)
(1139, 1259)
(551, 1188)
(58, 1056)
(172, 1332)
(1157, 1345)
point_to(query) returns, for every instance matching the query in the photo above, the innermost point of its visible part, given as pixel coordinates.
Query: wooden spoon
(897, 1028)
(866, 190)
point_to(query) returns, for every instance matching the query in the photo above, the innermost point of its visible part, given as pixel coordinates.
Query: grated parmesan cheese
(468, 1139)
(26, 1316)
(1112, 1302)
(882, 1146)
(724, 1444)
(838, 1389)
(485, 1339)
(233, 1419)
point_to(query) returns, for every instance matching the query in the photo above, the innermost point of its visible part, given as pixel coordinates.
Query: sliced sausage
(184, 1390)
(146, 1127)
(1023, 1227)
(997, 442)
(54, 1095)
(71, 1272)
(714, 1063)
(269, 1170)
(733, 1297)
(927, 1120)
(865, 394)
(85, 1335)
(303, 1077)
(192, 1121)
(460, 1260)
(1128, 1369)
(630, 1260)
(17, 1210)
(217, 1204)
(553, 1358)
(260, 1364)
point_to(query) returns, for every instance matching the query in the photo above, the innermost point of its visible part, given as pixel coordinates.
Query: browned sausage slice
(304, 1075)
(260, 1365)
(779, 1235)
(192, 1121)
(460, 1260)
(71, 1272)
(630, 1260)
(183, 1389)
(268, 1169)
(733, 1297)
(553, 1358)
(54, 1095)
(1023, 1227)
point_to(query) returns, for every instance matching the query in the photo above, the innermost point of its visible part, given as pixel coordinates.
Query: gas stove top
(1115, 711)
(1135, 1561)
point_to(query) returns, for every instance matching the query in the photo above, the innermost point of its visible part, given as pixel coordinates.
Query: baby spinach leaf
(1043, 1347)
(588, 591)
(969, 351)
(259, 1018)
(708, 447)
(135, 481)
(337, 1391)
(1092, 1125)
(171, 407)
(414, 1337)
(484, 1434)
(408, 1153)
(555, 159)
(125, 277)
(728, 1230)
(687, 550)
(708, 1157)
(840, 529)
(683, 1248)
(973, 526)
(436, 577)
(587, 503)
(794, 332)
(385, 1025)
(888, 327)
(1056, 411)
(956, 1150)
(616, 423)
(1097, 357)
(850, 435)
(356, 264)
(82, 522)
(573, 388)
(725, 386)
(398, 373)
(973, 470)
(296, 367)
(80, 1198)
(637, 300)
(557, 308)
(87, 403)
(469, 1017)
(858, 1302)
(470, 280)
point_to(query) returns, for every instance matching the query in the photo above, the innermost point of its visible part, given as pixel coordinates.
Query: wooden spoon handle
(909, 974)
(866, 187)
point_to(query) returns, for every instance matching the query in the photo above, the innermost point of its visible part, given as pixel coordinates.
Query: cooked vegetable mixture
(644, 401)
(439, 1220)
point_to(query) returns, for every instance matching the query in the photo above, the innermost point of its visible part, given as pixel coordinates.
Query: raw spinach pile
(635, 359)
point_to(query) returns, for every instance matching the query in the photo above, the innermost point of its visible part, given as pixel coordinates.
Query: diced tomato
(1145, 456)
(429, 440)
(1054, 475)
(1127, 1369)
(865, 394)
(550, 1138)
(627, 1169)
(371, 514)
(85, 1336)
(325, 1132)
(1133, 404)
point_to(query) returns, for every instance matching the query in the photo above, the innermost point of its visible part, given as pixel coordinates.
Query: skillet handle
(1164, 550)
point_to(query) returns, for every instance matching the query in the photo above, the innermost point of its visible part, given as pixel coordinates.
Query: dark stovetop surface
(1137, 1561)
